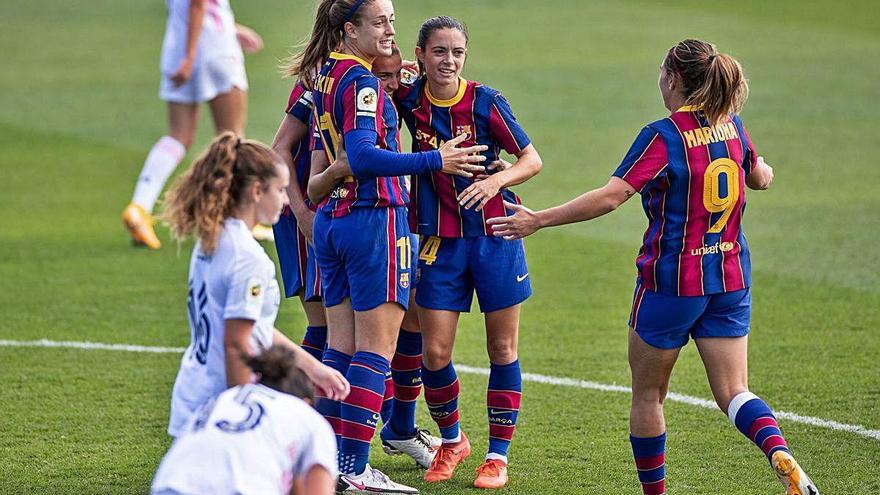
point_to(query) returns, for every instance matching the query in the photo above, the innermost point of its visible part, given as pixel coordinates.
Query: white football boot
(422, 447)
(371, 481)
(791, 475)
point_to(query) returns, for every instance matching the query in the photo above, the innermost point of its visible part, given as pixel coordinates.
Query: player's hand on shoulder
(462, 161)
(250, 41)
(522, 223)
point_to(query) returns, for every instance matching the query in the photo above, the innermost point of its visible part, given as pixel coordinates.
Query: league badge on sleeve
(254, 296)
(367, 100)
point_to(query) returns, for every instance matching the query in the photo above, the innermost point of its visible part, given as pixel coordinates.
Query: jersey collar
(462, 87)
(688, 108)
(345, 56)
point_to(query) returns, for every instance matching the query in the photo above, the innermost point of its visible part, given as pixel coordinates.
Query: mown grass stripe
(528, 377)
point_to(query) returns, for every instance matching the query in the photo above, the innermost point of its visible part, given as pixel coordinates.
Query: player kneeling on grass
(691, 169)
(233, 295)
(259, 438)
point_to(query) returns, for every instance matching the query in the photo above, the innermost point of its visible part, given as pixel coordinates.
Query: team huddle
(385, 249)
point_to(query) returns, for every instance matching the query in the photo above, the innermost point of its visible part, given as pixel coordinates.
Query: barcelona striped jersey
(691, 176)
(348, 97)
(485, 116)
(299, 106)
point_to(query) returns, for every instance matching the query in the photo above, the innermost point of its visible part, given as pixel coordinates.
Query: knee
(650, 395)
(502, 351)
(436, 356)
(724, 397)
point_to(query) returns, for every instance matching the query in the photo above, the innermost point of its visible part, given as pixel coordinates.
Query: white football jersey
(250, 440)
(217, 38)
(236, 282)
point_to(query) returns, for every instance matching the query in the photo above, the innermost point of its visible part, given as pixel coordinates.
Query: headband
(353, 11)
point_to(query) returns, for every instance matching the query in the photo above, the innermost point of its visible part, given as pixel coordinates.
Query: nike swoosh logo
(495, 413)
(520, 279)
(356, 485)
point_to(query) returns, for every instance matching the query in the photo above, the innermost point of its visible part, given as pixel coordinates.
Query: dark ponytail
(276, 369)
(327, 35)
(714, 82)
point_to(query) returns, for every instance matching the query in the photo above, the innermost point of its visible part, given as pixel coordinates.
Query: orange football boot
(449, 455)
(140, 225)
(491, 474)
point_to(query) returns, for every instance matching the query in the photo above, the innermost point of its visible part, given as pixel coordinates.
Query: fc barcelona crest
(404, 280)
(464, 129)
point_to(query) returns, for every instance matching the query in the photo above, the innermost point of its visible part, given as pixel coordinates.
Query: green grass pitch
(79, 112)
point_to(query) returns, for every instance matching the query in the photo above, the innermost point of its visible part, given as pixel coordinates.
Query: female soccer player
(459, 255)
(361, 234)
(202, 61)
(293, 232)
(233, 296)
(400, 434)
(259, 438)
(691, 169)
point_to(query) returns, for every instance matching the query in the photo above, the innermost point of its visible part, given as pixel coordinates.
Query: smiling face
(271, 198)
(387, 69)
(375, 34)
(444, 56)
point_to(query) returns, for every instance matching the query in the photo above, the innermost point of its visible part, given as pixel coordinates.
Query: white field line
(528, 377)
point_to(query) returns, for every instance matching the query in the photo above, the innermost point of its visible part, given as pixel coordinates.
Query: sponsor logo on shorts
(520, 278)
(718, 247)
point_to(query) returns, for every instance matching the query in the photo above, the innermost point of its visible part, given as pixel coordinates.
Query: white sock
(453, 440)
(160, 163)
(492, 455)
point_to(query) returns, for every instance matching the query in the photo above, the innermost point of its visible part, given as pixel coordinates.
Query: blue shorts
(452, 269)
(299, 271)
(666, 321)
(366, 256)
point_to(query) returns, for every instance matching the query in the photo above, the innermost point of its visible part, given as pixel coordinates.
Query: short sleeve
(300, 104)
(504, 127)
(362, 104)
(320, 449)
(749, 153)
(645, 159)
(246, 288)
(315, 142)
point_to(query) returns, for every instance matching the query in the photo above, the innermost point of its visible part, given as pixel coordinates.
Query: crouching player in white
(233, 295)
(261, 438)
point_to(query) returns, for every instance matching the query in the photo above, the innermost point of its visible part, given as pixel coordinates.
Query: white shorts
(210, 78)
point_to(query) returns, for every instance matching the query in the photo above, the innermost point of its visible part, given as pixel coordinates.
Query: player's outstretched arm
(236, 345)
(585, 207)
(761, 176)
(528, 164)
(330, 381)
